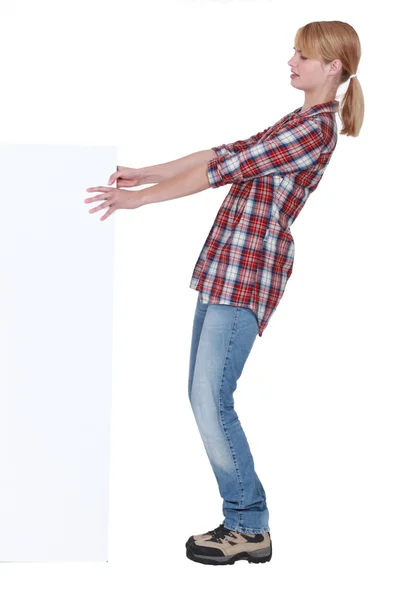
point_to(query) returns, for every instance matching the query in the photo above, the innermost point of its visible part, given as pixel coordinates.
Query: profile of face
(309, 73)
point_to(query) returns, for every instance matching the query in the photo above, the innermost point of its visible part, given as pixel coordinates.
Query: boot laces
(219, 533)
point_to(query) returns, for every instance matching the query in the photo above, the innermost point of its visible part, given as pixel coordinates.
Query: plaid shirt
(248, 255)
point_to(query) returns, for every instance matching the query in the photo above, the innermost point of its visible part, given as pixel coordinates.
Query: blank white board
(56, 298)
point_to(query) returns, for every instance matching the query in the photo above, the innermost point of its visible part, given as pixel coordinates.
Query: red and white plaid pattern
(248, 255)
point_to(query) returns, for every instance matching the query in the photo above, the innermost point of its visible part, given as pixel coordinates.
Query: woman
(247, 258)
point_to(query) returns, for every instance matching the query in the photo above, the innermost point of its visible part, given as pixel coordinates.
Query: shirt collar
(331, 106)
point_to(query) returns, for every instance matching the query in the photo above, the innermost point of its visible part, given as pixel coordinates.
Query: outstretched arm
(168, 170)
(189, 182)
(286, 152)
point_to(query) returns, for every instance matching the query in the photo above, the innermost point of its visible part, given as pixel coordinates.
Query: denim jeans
(222, 338)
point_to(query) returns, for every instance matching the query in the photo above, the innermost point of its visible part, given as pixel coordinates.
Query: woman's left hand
(113, 198)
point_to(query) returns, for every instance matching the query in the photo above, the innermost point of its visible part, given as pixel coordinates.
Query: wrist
(135, 199)
(146, 175)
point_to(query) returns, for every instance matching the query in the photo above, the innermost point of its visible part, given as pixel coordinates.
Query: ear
(335, 67)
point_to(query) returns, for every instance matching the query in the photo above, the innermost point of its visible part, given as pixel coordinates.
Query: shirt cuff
(223, 170)
(221, 150)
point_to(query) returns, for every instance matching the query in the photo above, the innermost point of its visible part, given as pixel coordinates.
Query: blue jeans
(222, 338)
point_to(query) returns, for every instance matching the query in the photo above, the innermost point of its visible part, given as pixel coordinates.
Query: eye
(302, 57)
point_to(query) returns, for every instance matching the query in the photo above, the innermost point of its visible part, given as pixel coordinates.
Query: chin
(294, 85)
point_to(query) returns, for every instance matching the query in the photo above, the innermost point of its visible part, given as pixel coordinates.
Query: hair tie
(354, 75)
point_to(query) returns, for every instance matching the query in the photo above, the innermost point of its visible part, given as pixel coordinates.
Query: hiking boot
(222, 546)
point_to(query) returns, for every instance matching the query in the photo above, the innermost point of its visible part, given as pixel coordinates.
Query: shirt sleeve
(226, 149)
(296, 148)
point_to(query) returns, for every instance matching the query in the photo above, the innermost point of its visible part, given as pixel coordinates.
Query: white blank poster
(56, 278)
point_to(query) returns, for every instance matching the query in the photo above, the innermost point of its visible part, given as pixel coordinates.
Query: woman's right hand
(126, 177)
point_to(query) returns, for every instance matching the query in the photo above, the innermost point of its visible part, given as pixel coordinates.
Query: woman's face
(310, 73)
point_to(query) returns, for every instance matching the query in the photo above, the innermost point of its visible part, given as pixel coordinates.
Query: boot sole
(258, 556)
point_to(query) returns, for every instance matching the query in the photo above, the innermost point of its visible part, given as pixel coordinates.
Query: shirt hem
(215, 300)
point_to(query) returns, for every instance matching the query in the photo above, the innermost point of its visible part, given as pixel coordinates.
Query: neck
(312, 98)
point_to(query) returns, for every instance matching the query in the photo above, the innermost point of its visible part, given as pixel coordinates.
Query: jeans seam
(233, 330)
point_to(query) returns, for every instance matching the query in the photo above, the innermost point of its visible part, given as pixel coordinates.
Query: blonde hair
(325, 41)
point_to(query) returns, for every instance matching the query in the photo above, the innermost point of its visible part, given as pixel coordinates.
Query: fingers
(107, 214)
(100, 207)
(100, 196)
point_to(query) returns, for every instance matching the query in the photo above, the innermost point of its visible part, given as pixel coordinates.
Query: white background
(318, 395)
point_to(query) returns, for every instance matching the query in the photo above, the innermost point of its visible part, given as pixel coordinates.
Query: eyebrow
(295, 49)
